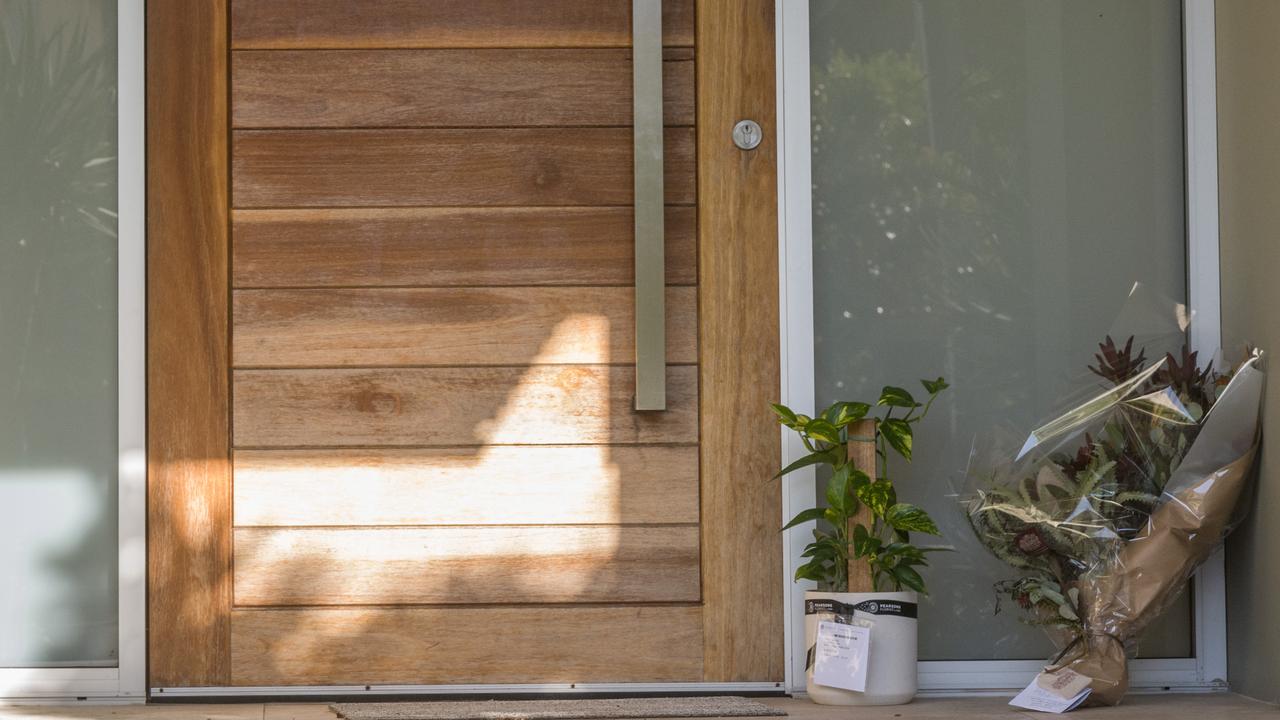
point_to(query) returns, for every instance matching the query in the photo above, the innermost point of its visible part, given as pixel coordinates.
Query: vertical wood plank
(738, 275)
(862, 453)
(188, 442)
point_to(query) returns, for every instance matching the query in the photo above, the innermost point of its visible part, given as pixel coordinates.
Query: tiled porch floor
(1136, 707)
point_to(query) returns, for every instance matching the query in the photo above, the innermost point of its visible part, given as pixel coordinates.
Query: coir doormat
(591, 709)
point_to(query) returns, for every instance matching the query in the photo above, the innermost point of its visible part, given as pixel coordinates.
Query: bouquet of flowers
(1107, 510)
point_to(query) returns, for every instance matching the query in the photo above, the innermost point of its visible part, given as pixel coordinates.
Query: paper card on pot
(1063, 682)
(840, 656)
(1046, 693)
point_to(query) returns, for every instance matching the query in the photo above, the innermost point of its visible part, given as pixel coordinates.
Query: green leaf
(896, 548)
(896, 397)
(933, 387)
(909, 518)
(846, 413)
(857, 479)
(1053, 596)
(838, 495)
(908, 577)
(785, 416)
(833, 550)
(805, 516)
(824, 549)
(834, 516)
(910, 554)
(860, 534)
(822, 430)
(898, 433)
(811, 570)
(877, 496)
(830, 414)
(863, 543)
(814, 458)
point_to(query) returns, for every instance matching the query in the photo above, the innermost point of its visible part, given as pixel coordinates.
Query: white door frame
(127, 681)
(1206, 671)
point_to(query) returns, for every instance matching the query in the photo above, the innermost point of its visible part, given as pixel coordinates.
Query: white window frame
(1208, 669)
(127, 681)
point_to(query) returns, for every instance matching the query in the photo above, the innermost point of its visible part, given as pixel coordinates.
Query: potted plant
(862, 557)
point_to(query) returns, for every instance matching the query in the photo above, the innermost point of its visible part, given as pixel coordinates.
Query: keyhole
(747, 134)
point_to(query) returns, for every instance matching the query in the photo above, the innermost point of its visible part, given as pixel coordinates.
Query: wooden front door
(391, 348)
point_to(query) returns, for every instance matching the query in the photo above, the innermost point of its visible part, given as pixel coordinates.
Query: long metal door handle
(650, 265)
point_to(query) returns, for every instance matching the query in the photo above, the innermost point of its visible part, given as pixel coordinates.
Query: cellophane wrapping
(1104, 512)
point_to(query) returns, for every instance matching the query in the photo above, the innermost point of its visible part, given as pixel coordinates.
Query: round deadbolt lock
(747, 134)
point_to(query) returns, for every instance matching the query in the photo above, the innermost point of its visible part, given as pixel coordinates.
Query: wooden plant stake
(862, 454)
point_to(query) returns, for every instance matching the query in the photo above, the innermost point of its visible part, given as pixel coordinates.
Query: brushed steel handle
(650, 265)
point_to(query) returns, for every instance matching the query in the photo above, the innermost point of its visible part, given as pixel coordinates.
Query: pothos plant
(885, 542)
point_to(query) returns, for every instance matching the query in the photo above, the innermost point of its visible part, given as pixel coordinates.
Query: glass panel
(58, 442)
(990, 179)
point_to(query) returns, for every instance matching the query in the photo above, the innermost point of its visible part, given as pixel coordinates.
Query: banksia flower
(1117, 364)
(1078, 464)
(1190, 382)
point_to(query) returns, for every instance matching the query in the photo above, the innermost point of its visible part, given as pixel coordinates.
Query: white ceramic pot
(891, 669)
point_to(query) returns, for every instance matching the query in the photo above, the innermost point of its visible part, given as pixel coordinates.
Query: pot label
(841, 656)
(871, 607)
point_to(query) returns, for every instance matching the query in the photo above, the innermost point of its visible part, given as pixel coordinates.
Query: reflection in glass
(990, 179)
(58, 333)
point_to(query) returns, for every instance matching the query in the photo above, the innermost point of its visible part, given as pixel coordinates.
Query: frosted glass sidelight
(58, 396)
(990, 178)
